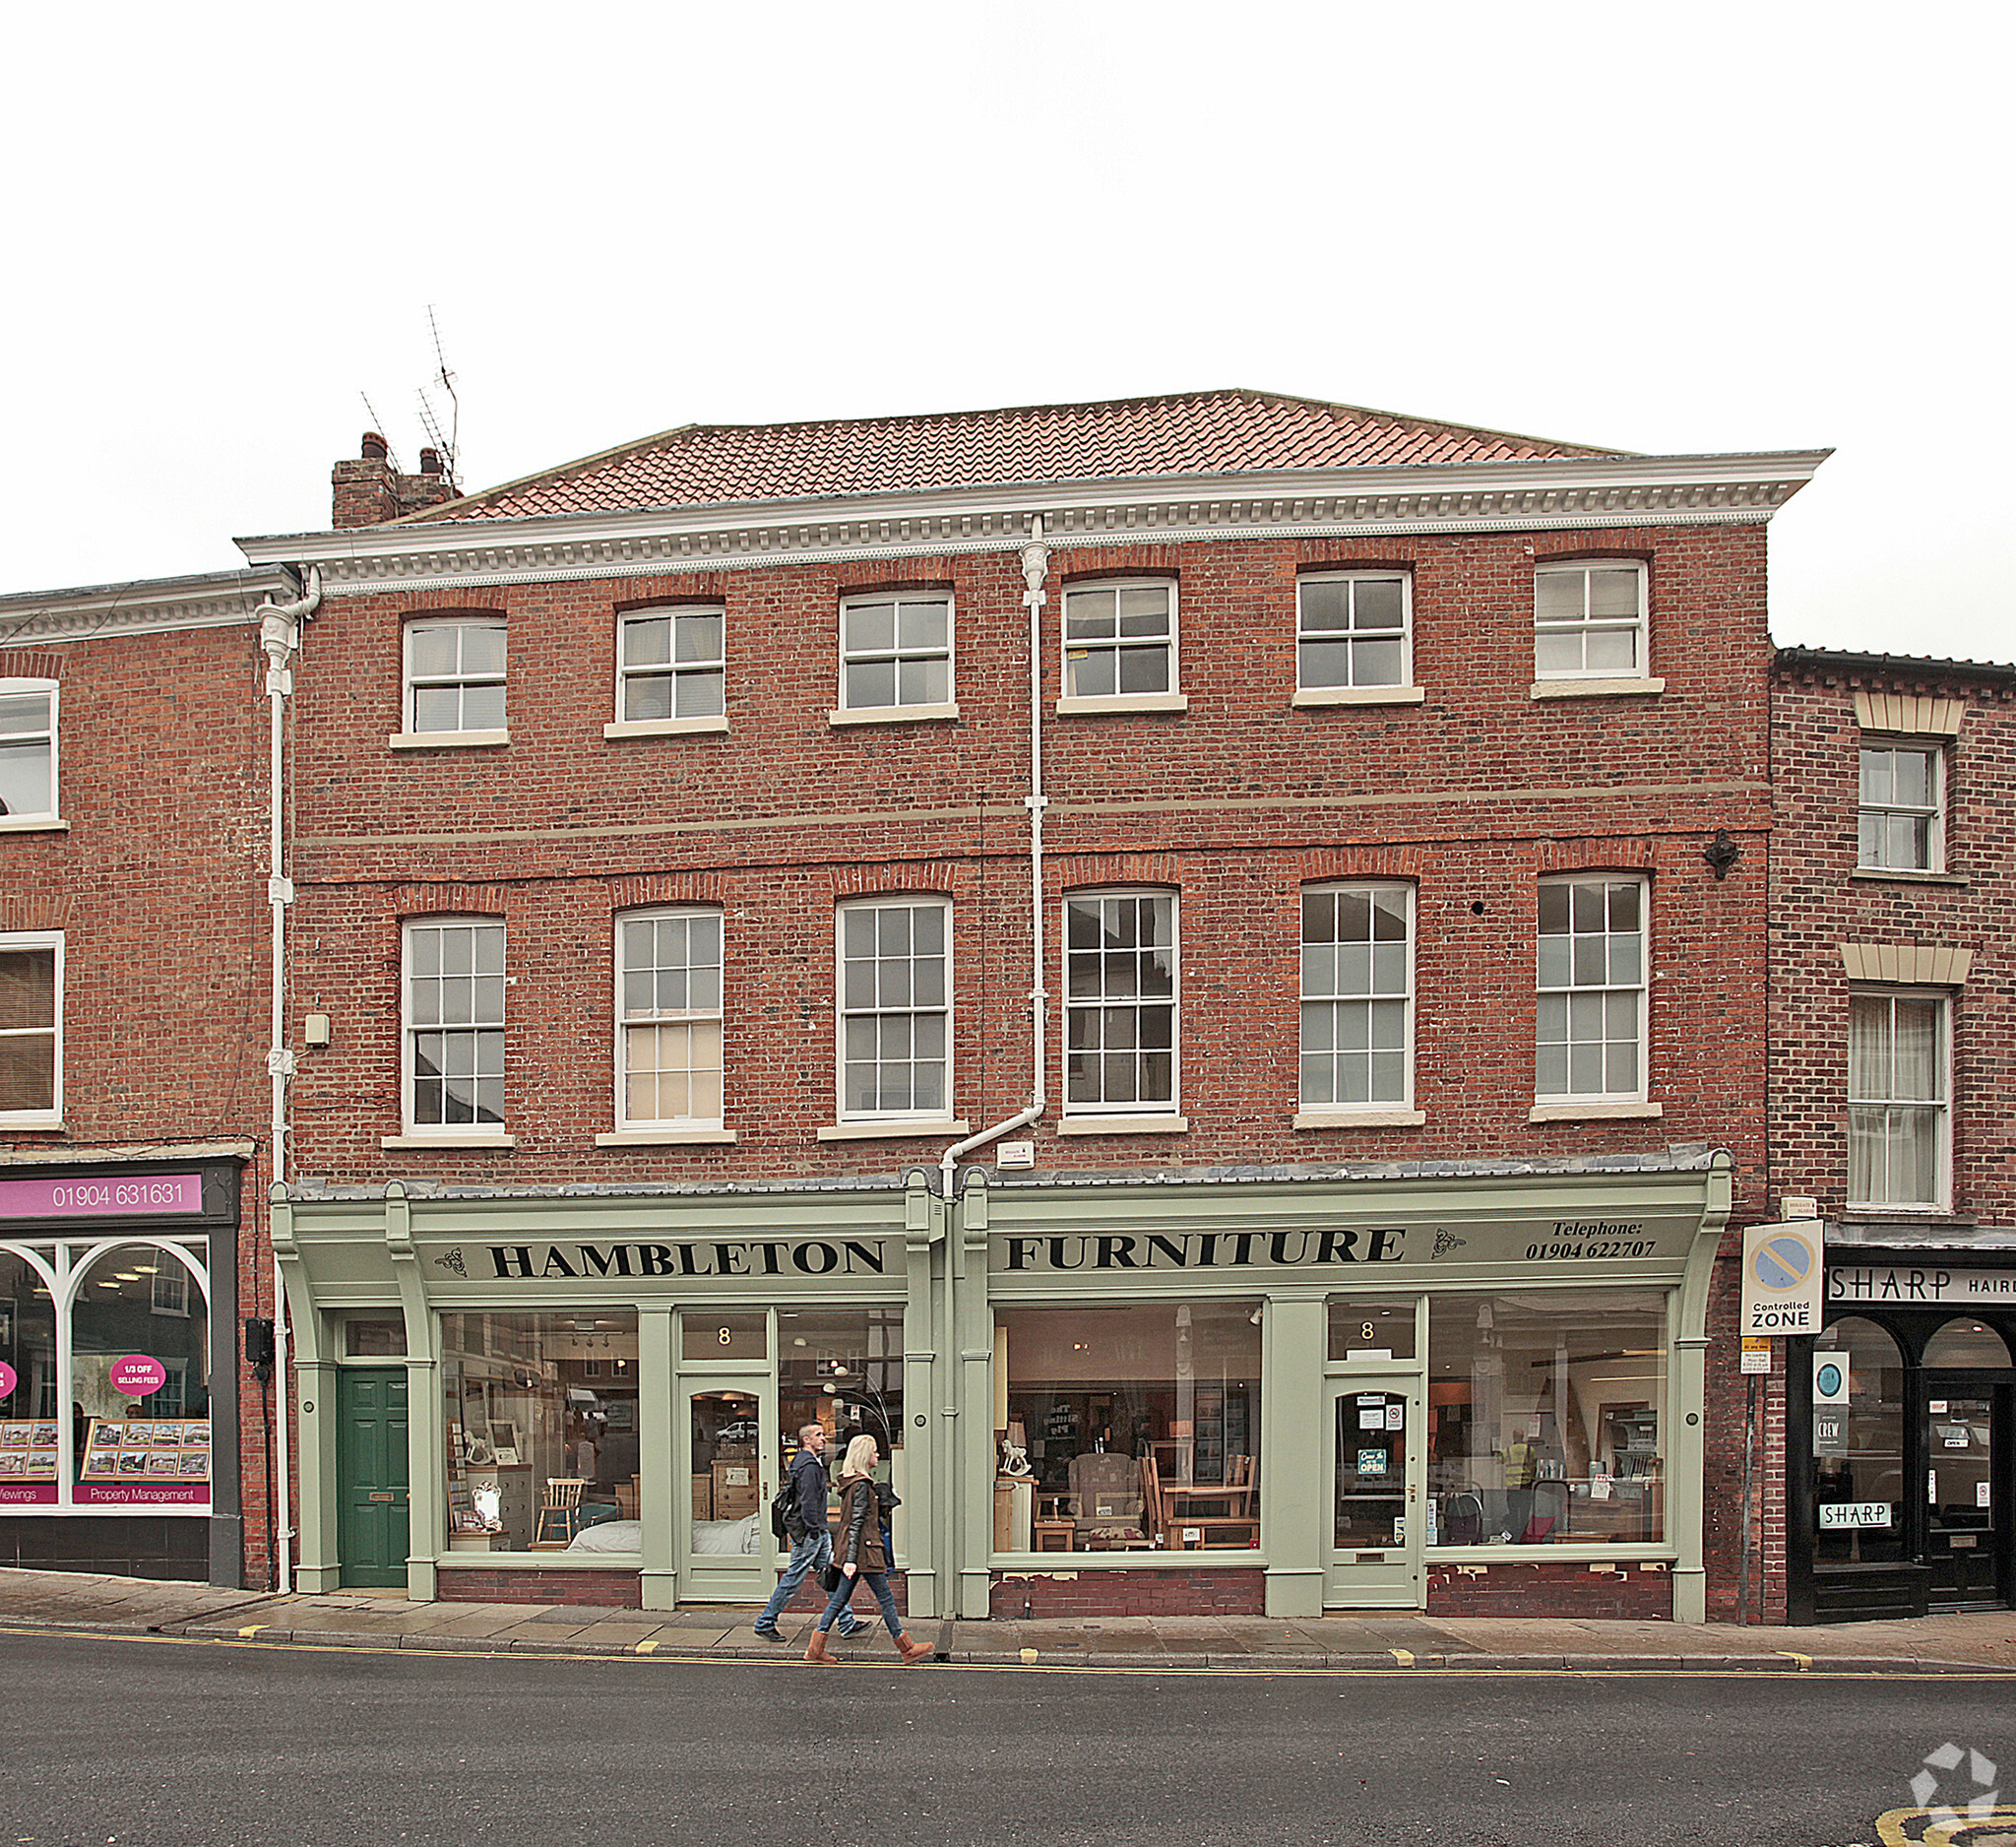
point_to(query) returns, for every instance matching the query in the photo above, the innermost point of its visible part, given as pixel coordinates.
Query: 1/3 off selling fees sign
(1783, 1270)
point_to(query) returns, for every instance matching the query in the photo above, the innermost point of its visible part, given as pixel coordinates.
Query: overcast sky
(1670, 229)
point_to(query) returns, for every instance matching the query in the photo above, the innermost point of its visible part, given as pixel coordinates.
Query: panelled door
(1967, 1443)
(727, 1431)
(371, 1495)
(1374, 1485)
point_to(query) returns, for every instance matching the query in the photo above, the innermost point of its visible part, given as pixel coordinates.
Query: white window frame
(1571, 1101)
(409, 733)
(28, 941)
(1934, 815)
(1385, 1108)
(1129, 1108)
(846, 712)
(1939, 1107)
(1072, 701)
(626, 1018)
(410, 1033)
(628, 673)
(845, 1014)
(50, 816)
(1639, 627)
(1325, 691)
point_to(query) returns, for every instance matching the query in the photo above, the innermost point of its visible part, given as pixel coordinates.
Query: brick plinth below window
(1129, 1593)
(1641, 1593)
(610, 1591)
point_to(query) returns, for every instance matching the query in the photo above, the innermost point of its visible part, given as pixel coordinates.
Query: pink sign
(27, 1493)
(118, 1194)
(139, 1495)
(135, 1376)
(8, 1379)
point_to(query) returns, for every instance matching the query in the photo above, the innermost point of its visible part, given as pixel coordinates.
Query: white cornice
(216, 600)
(1580, 492)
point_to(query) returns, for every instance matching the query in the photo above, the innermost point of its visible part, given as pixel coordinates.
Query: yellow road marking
(1028, 1657)
(246, 1635)
(643, 1649)
(1806, 1660)
(1405, 1656)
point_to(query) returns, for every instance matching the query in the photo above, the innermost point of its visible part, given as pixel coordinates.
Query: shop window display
(533, 1401)
(842, 1369)
(1131, 1428)
(1546, 1417)
(1859, 1449)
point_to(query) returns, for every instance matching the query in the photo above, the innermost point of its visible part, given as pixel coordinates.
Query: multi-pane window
(28, 749)
(1592, 991)
(1120, 1002)
(1897, 1099)
(454, 1024)
(1356, 993)
(1352, 631)
(670, 665)
(1589, 622)
(31, 1028)
(895, 1008)
(1899, 814)
(455, 674)
(895, 651)
(1119, 639)
(669, 1018)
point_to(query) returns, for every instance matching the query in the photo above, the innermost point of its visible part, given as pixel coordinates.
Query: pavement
(81, 1603)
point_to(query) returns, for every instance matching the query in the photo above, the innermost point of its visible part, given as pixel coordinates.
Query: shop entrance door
(1966, 1426)
(1374, 1540)
(729, 1431)
(371, 1474)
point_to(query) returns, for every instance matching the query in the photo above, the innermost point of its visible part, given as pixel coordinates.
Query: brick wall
(1637, 1592)
(608, 1590)
(1205, 1591)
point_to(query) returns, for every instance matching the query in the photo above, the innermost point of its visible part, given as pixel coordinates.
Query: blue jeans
(876, 1581)
(807, 1556)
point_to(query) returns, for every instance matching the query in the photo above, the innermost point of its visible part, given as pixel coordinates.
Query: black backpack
(785, 1522)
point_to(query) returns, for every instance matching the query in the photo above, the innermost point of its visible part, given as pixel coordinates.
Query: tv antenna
(430, 419)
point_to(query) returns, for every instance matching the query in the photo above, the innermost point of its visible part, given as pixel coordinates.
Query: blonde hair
(861, 1456)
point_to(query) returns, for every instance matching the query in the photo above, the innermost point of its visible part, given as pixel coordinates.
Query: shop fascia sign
(669, 1262)
(1903, 1284)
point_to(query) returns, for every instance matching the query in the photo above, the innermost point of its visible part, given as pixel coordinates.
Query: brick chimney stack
(370, 491)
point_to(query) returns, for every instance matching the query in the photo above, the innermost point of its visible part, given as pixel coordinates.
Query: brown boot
(817, 1652)
(914, 1654)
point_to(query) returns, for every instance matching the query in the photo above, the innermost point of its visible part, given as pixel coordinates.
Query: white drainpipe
(1036, 565)
(279, 636)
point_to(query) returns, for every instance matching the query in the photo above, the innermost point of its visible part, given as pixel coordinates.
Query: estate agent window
(895, 652)
(28, 752)
(1547, 1418)
(1897, 1099)
(668, 1038)
(454, 1024)
(1357, 982)
(895, 1009)
(1120, 1002)
(670, 666)
(1592, 991)
(1589, 622)
(1899, 818)
(1141, 1427)
(1119, 639)
(455, 674)
(31, 1029)
(1352, 631)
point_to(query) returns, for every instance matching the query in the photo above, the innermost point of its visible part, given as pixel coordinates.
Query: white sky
(1672, 229)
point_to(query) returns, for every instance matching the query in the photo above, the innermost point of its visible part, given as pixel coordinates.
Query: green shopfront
(1278, 1391)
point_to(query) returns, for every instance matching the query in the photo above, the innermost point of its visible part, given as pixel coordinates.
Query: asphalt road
(165, 1743)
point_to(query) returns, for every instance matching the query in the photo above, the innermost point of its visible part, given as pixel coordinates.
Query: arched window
(1858, 1473)
(1964, 1341)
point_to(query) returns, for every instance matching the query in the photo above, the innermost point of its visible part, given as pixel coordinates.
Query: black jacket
(809, 1472)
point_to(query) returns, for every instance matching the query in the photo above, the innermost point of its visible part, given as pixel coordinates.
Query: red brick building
(1893, 1061)
(135, 968)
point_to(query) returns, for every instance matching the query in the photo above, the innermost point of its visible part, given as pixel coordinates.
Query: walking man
(811, 1538)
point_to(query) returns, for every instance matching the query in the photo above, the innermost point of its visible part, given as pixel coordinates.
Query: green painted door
(371, 1474)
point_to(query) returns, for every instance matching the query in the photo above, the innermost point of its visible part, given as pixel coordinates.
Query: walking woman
(864, 1555)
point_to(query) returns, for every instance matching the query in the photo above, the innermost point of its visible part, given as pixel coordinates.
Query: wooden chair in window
(559, 1514)
(1230, 1499)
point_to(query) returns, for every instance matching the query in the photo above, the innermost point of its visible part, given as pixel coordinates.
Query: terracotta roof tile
(1199, 434)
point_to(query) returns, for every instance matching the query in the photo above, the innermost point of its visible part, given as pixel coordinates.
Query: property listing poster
(131, 1461)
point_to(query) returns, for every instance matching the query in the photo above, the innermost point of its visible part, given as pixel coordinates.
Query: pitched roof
(1206, 432)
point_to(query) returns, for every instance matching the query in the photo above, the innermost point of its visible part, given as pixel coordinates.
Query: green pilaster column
(972, 1425)
(659, 1588)
(427, 1492)
(1687, 1401)
(923, 1226)
(313, 1506)
(1294, 1345)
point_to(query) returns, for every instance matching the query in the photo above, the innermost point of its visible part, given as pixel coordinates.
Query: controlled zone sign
(1783, 1270)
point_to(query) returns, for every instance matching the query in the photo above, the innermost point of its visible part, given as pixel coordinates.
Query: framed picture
(503, 1436)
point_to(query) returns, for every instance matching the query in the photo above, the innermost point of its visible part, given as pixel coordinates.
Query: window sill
(936, 1128)
(1917, 1215)
(34, 824)
(1124, 1126)
(1095, 705)
(664, 1137)
(30, 1118)
(1594, 1111)
(895, 715)
(667, 728)
(1594, 688)
(1904, 875)
(1360, 1118)
(445, 740)
(422, 1138)
(1358, 696)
